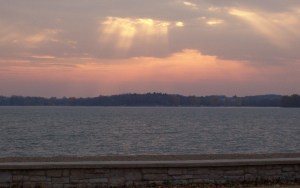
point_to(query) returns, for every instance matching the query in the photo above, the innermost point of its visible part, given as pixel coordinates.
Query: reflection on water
(86, 131)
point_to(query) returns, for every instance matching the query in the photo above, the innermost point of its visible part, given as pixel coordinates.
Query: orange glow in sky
(188, 69)
(90, 48)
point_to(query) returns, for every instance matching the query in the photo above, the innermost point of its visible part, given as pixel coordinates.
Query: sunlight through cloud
(190, 4)
(126, 30)
(42, 57)
(213, 22)
(179, 24)
(278, 28)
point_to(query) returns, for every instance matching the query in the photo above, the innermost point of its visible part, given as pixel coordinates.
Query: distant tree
(154, 99)
(290, 101)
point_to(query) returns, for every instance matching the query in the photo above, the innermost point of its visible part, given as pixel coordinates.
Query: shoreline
(161, 171)
(197, 157)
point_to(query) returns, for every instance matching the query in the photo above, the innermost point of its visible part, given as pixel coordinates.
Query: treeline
(291, 101)
(156, 99)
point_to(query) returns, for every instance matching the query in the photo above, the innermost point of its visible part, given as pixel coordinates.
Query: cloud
(190, 4)
(47, 35)
(43, 57)
(17, 41)
(13, 34)
(129, 37)
(179, 46)
(139, 74)
(279, 28)
(179, 24)
(126, 30)
(187, 72)
(131, 28)
(213, 22)
(267, 5)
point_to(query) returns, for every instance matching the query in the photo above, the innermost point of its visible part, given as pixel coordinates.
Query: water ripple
(90, 131)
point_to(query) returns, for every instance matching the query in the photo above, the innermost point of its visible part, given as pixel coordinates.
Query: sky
(189, 47)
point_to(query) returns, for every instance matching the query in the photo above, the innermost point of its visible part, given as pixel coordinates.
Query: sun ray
(124, 31)
(277, 28)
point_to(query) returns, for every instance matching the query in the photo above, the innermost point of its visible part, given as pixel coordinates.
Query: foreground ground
(149, 157)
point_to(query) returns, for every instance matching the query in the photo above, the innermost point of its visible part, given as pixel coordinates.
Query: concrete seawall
(97, 173)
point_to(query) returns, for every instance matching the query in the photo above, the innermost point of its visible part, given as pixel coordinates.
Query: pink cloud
(187, 72)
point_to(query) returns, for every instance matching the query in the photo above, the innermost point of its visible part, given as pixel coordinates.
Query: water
(90, 131)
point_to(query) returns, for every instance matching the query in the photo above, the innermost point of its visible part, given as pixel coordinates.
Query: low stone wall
(120, 173)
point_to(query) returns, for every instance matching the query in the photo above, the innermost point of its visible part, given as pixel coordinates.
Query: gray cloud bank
(257, 32)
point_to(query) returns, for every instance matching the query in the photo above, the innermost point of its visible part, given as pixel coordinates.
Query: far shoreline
(157, 99)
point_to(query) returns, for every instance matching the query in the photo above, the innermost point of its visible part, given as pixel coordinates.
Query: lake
(91, 131)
